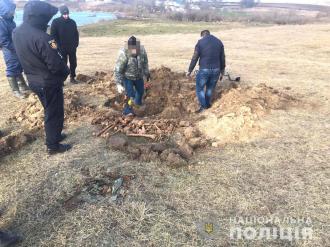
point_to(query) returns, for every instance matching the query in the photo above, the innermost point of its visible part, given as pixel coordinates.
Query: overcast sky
(323, 2)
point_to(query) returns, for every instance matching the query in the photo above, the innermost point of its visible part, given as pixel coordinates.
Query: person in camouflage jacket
(130, 70)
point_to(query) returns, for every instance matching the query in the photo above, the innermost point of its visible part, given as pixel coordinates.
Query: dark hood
(38, 14)
(7, 9)
(64, 10)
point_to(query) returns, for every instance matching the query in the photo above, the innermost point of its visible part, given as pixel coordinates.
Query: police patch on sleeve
(53, 44)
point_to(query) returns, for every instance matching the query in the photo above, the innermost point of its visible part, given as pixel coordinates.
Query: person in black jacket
(44, 67)
(65, 32)
(209, 50)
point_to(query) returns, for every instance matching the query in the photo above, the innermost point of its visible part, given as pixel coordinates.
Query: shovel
(237, 79)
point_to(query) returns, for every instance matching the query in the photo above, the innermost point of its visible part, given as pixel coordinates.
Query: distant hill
(183, 5)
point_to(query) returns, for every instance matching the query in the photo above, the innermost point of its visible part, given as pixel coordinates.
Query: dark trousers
(206, 80)
(13, 66)
(52, 100)
(72, 56)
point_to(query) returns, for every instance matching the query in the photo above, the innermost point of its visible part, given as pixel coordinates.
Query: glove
(120, 88)
(147, 86)
(188, 74)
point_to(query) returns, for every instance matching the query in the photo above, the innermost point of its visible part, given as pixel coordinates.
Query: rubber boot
(23, 88)
(14, 87)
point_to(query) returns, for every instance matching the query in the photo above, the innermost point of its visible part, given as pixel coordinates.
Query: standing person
(209, 50)
(45, 68)
(66, 34)
(13, 67)
(131, 67)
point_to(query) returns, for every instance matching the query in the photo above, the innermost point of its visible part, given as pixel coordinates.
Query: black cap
(64, 10)
(132, 41)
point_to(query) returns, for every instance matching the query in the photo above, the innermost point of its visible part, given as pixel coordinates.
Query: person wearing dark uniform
(44, 67)
(13, 67)
(210, 52)
(65, 32)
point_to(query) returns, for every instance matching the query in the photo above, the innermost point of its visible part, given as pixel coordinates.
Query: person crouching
(130, 70)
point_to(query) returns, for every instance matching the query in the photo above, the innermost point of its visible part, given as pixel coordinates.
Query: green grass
(144, 27)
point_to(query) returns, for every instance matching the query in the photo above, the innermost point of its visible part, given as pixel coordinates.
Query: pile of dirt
(32, 115)
(235, 116)
(171, 95)
(168, 113)
(174, 152)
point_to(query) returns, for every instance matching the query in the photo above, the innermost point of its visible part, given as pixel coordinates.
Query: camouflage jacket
(129, 67)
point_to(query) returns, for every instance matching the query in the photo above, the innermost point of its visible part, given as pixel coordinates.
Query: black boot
(63, 136)
(60, 149)
(73, 80)
(14, 87)
(200, 110)
(8, 239)
(23, 88)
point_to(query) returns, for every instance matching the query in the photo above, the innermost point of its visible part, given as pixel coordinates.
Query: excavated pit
(167, 125)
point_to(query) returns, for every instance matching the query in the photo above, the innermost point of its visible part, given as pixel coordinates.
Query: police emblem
(208, 228)
(53, 44)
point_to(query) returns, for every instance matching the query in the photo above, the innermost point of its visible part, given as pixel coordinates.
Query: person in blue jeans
(130, 70)
(210, 53)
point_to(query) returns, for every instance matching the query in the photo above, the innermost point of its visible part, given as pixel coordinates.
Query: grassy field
(147, 27)
(285, 175)
(193, 22)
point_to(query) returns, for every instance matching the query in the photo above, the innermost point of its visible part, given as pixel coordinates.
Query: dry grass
(152, 26)
(286, 175)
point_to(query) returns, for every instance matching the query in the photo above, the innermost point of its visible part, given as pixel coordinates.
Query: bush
(271, 17)
(195, 16)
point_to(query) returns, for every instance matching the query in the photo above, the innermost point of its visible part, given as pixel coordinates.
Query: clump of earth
(14, 140)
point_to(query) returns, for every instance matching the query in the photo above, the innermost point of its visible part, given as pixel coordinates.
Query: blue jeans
(134, 90)
(206, 80)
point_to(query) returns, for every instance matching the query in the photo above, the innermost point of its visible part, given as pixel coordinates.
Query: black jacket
(210, 52)
(65, 32)
(37, 51)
